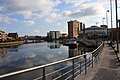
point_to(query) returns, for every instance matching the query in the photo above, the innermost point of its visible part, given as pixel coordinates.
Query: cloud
(27, 7)
(2, 8)
(26, 14)
(37, 30)
(83, 13)
(77, 3)
(30, 55)
(74, 1)
(66, 13)
(59, 24)
(2, 28)
(32, 5)
(29, 23)
(53, 17)
(7, 19)
(106, 1)
(50, 56)
(86, 10)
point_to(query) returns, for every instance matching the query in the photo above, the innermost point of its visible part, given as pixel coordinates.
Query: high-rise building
(73, 29)
(53, 34)
(82, 26)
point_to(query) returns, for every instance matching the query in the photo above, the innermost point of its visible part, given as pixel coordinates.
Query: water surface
(34, 54)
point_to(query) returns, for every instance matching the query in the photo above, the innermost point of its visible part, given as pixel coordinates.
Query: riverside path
(107, 67)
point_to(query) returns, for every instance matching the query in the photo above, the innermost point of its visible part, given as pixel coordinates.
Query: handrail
(46, 65)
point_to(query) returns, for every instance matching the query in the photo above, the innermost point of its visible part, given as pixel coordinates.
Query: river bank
(8, 44)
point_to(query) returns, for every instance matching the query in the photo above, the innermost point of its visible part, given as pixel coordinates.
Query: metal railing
(66, 69)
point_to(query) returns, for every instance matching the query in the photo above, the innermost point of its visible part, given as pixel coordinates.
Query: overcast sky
(37, 17)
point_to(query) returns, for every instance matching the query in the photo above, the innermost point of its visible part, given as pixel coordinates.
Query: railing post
(62, 75)
(96, 57)
(98, 54)
(85, 65)
(73, 69)
(43, 73)
(80, 67)
(92, 60)
(89, 62)
(85, 62)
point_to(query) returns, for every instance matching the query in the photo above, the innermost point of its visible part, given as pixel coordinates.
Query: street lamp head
(118, 21)
(107, 10)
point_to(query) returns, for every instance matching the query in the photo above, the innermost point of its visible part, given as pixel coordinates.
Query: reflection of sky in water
(29, 55)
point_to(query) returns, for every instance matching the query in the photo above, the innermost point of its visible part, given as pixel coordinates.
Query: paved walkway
(107, 68)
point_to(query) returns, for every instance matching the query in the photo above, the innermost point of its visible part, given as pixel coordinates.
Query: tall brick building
(73, 29)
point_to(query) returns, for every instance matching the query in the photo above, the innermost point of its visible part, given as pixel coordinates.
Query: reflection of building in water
(13, 48)
(54, 45)
(74, 52)
(3, 51)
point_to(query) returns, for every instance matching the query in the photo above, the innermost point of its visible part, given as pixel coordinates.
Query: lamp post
(107, 22)
(117, 27)
(111, 20)
(107, 17)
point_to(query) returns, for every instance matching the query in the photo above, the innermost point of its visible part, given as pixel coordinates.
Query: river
(34, 54)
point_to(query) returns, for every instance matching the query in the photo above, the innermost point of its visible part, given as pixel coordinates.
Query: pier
(107, 67)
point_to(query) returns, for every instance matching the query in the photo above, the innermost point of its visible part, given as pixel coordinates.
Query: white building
(54, 34)
(0, 36)
(100, 31)
(3, 36)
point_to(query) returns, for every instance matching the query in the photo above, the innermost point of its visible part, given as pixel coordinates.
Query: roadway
(106, 68)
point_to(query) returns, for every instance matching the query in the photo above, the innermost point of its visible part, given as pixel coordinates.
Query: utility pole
(117, 26)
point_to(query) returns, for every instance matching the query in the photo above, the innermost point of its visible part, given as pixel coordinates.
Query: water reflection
(31, 55)
(54, 45)
(13, 48)
(3, 52)
(78, 51)
(74, 52)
